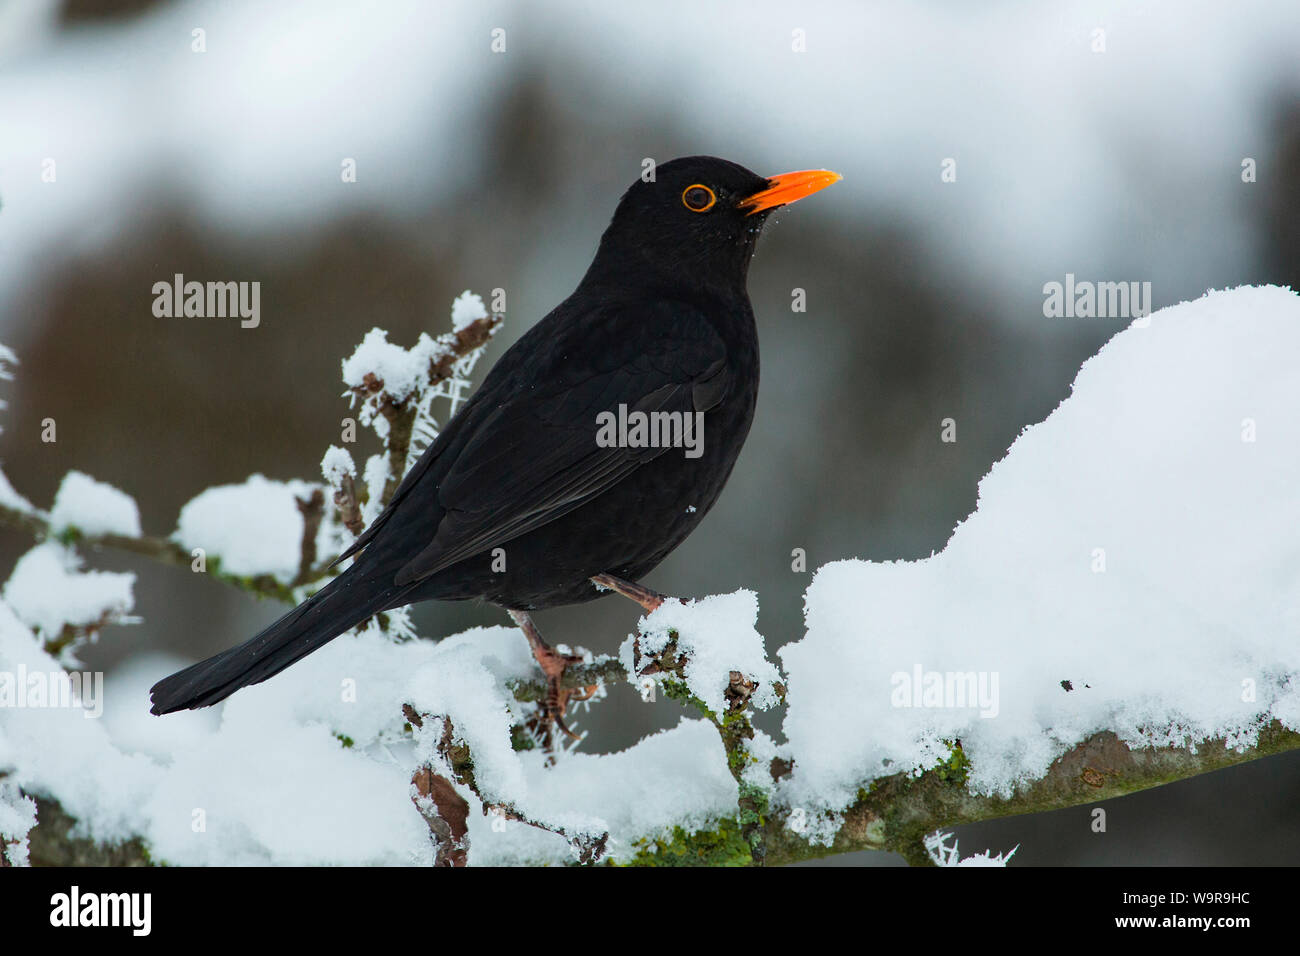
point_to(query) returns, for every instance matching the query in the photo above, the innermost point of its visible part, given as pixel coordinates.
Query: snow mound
(322, 750)
(254, 528)
(467, 309)
(1133, 565)
(402, 371)
(676, 777)
(93, 508)
(716, 635)
(48, 589)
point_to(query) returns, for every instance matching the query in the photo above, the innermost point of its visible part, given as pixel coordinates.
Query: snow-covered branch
(95, 516)
(1120, 612)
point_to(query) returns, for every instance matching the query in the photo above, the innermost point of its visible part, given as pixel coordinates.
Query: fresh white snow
(936, 844)
(17, 817)
(48, 589)
(1187, 631)
(337, 463)
(401, 370)
(254, 528)
(93, 508)
(466, 310)
(1138, 544)
(717, 635)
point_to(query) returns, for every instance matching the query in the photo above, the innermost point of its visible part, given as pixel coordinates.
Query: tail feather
(342, 604)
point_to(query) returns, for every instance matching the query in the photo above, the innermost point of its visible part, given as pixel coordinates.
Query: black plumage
(660, 322)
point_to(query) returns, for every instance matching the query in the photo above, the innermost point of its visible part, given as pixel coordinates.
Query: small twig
(460, 344)
(457, 346)
(162, 550)
(575, 677)
(455, 755)
(590, 849)
(81, 633)
(401, 415)
(345, 499)
(312, 510)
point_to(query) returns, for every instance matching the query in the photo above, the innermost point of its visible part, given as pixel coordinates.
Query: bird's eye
(698, 198)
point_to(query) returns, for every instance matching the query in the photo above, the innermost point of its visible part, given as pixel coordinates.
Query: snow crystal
(17, 817)
(1139, 544)
(8, 497)
(936, 844)
(466, 310)
(7, 358)
(402, 371)
(48, 589)
(254, 528)
(93, 508)
(337, 463)
(717, 635)
(375, 477)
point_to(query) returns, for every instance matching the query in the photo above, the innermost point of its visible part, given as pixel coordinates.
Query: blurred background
(480, 168)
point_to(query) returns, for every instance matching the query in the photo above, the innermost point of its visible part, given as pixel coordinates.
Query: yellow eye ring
(698, 198)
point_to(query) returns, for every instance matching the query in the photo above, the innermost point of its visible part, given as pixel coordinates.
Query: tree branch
(52, 844)
(164, 551)
(51, 841)
(401, 415)
(456, 346)
(895, 813)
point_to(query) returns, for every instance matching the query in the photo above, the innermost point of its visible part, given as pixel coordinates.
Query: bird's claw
(557, 698)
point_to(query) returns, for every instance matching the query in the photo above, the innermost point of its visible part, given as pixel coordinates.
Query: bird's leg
(648, 599)
(553, 665)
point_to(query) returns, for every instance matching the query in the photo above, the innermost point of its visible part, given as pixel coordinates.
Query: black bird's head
(696, 222)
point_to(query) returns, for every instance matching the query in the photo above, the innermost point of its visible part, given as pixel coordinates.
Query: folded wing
(535, 457)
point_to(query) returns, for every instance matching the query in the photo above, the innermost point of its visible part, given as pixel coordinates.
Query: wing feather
(534, 458)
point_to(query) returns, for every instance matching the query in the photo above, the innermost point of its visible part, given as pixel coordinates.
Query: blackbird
(542, 491)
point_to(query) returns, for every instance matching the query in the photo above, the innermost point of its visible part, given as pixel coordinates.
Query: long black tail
(345, 602)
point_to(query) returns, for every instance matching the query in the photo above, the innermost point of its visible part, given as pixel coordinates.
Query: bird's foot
(557, 697)
(665, 660)
(648, 599)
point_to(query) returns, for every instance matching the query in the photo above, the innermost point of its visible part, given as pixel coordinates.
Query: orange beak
(789, 187)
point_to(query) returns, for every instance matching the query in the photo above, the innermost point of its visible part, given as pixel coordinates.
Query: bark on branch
(895, 813)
